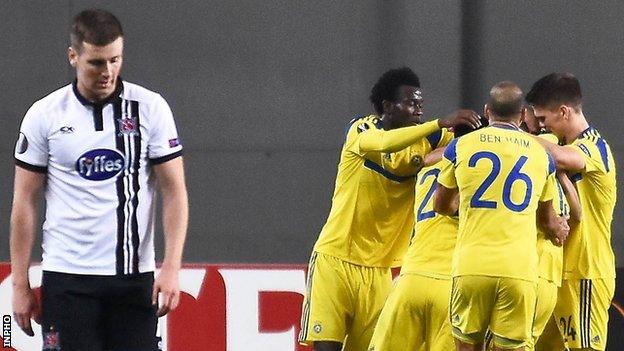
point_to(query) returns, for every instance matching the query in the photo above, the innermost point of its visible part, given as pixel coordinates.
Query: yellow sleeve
(595, 159)
(447, 166)
(550, 188)
(379, 140)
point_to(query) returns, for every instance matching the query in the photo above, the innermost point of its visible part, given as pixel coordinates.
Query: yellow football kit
(550, 270)
(416, 312)
(501, 173)
(588, 262)
(369, 226)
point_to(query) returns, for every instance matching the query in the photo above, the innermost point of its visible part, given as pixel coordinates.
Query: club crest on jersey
(100, 164)
(128, 126)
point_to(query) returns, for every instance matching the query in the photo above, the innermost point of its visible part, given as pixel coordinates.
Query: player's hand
(467, 117)
(561, 231)
(25, 307)
(167, 284)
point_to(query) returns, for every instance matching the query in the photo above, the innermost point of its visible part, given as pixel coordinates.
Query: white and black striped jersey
(100, 191)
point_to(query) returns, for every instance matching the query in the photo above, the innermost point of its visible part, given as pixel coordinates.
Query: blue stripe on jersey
(576, 177)
(551, 164)
(377, 168)
(451, 151)
(602, 147)
(434, 138)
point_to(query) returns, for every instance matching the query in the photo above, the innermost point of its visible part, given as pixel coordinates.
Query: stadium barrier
(234, 307)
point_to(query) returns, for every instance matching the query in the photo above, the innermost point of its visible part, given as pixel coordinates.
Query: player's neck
(513, 124)
(578, 124)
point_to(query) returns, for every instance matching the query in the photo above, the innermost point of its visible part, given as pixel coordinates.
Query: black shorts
(98, 313)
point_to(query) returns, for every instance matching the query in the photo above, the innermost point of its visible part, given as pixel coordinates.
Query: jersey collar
(114, 96)
(589, 132)
(504, 125)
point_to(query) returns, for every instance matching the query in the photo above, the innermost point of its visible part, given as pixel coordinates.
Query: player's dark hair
(554, 90)
(387, 87)
(94, 26)
(505, 100)
(463, 129)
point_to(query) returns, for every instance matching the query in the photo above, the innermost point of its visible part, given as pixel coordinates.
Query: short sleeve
(447, 166)
(595, 155)
(164, 143)
(352, 141)
(31, 148)
(550, 188)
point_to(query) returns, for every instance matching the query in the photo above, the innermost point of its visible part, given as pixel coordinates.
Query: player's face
(531, 122)
(551, 119)
(407, 109)
(97, 68)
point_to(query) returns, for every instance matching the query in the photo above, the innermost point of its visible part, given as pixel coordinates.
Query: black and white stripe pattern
(129, 144)
(585, 313)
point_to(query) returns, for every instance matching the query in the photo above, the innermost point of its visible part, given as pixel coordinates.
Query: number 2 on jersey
(514, 175)
(420, 215)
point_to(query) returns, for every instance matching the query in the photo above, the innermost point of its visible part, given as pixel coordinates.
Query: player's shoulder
(57, 99)
(362, 123)
(136, 92)
(49, 106)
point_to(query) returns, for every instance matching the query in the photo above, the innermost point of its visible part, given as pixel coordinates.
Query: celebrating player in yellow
(589, 264)
(503, 177)
(371, 218)
(415, 316)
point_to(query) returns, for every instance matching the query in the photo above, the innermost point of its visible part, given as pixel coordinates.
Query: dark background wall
(262, 90)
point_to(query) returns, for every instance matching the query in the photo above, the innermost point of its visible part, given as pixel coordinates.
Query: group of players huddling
(501, 225)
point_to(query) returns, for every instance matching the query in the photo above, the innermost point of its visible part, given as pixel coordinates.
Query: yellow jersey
(501, 173)
(371, 217)
(431, 249)
(587, 253)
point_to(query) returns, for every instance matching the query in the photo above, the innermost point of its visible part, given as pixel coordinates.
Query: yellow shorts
(551, 338)
(342, 302)
(546, 301)
(504, 305)
(415, 316)
(582, 312)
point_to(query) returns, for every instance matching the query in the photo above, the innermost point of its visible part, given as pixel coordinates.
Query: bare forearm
(565, 158)
(572, 196)
(23, 222)
(175, 222)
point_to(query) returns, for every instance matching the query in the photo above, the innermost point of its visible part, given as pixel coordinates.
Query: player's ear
(486, 111)
(72, 56)
(387, 106)
(523, 112)
(565, 111)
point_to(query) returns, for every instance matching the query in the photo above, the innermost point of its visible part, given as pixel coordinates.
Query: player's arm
(400, 138)
(566, 158)
(434, 156)
(573, 198)
(447, 192)
(170, 176)
(554, 226)
(446, 200)
(27, 191)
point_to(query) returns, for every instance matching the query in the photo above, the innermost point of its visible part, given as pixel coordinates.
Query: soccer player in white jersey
(98, 148)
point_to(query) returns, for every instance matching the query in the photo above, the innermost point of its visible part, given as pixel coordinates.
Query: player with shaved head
(505, 181)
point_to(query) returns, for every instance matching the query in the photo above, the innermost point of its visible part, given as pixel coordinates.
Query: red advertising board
(223, 307)
(235, 308)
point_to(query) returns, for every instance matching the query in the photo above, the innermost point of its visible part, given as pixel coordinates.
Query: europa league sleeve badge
(22, 144)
